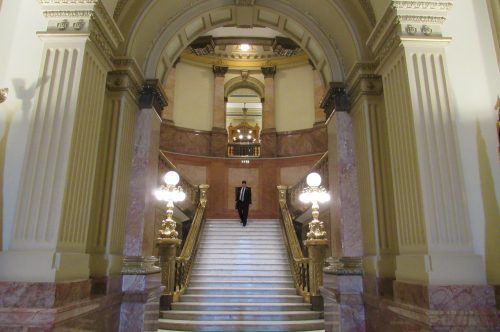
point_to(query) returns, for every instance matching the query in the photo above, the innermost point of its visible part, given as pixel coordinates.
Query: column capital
(362, 81)
(82, 17)
(269, 71)
(220, 71)
(335, 99)
(408, 20)
(4, 92)
(152, 95)
(125, 76)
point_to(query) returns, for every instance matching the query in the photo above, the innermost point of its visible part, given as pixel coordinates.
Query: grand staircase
(241, 281)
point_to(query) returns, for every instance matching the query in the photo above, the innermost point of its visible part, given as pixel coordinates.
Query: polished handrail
(184, 262)
(298, 263)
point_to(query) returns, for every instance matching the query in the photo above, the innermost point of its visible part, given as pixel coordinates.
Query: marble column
(374, 179)
(268, 135)
(141, 278)
(345, 217)
(436, 265)
(218, 140)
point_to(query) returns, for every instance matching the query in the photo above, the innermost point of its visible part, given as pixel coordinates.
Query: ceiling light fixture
(244, 47)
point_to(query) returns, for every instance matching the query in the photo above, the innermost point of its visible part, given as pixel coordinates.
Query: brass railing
(243, 150)
(298, 263)
(294, 204)
(184, 263)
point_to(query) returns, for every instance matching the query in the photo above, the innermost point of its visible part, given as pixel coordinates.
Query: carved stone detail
(426, 30)
(268, 72)
(411, 30)
(336, 99)
(152, 96)
(220, 71)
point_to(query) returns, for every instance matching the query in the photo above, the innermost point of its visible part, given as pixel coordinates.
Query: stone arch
(157, 56)
(239, 82)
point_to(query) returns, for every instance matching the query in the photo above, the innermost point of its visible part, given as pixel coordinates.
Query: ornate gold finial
(203, 194)
(3, 94)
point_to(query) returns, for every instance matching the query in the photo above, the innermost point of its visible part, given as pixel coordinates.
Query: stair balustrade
(176, 271)
(243, 150)
(298, 263)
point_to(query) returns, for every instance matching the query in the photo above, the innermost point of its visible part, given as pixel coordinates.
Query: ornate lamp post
(315, 194)
(316, 242)
(167, 236)
(169, 193)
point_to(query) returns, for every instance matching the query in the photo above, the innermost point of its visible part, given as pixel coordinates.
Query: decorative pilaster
(107, 229)
(169, 87)
(58, 177)
(374, 179)
(436, 263)
(319, 92)
(218, 140)
(434, 233)
(268, 137)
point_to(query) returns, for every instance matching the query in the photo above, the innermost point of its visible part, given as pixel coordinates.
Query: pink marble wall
(302, 142)
(265, 178)
(42, 294)
(273, 144)
(187, 141)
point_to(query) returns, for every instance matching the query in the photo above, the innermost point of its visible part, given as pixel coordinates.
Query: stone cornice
(335, 99)
(68, 17)
(362, 81)
(405, 20)
(153, 96)
(126, 76)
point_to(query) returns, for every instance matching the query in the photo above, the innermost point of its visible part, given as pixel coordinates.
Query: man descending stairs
(241, 281)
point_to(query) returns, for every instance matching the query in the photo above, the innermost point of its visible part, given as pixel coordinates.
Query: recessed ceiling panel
(294, 29)
(220, 16)
(194, 28)
(268, 17)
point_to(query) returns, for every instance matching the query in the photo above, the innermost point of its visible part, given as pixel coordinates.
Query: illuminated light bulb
(244, 47)
(171, 178)
(313, 179)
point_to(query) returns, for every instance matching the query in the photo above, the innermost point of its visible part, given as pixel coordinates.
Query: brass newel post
(167, 251)
(316, 252)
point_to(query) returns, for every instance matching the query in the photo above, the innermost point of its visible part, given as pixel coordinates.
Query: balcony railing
(243, 150)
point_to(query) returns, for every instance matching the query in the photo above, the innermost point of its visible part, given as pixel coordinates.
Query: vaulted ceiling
(332, 33)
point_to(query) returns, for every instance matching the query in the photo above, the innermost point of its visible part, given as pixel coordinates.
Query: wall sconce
(315, 194)
(3, 94)
(169, 193)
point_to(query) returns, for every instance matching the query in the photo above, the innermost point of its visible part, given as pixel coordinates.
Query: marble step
(241, 273)
(241, 284)
(239, 263)
(239, 269)
(215, 306)
(237, 251)
(269, 246)
(218, 277)
(241, 315)
(201, 257)
(241, 298)
(254, 242)
(254, 326)
(242, 290)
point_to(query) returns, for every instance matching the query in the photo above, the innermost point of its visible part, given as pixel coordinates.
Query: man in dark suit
(243, 201)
